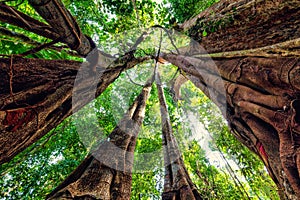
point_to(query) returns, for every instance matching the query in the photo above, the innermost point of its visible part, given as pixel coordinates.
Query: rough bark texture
(12, 16)
(107, 175)
(63, 23)
(62, 26)
(25, 39)
(177, 183)
(245, 24)
(261, 103)
(36, 95)
(257, 83)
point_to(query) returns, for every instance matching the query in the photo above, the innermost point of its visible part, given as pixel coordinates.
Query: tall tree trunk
(106, 174)
(36, 95)
(177, 183)
(245, 24)
(259, 75)
(261, 103)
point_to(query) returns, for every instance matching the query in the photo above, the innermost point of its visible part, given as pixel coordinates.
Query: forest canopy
(191, 56)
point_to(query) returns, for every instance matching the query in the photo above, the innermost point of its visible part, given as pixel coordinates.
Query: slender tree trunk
(256, 82)
(177, 183)
(106, 174)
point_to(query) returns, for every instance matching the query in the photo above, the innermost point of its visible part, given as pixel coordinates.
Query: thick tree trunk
(261, 103)
(256, 85)
(36, 95)
(106, 174)
(177, 183)
(257, 81)
(245, 24)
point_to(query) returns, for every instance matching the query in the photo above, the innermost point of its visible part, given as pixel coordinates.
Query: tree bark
(106, 174)
(261, 103)
(255, 46)
(63, 27)
(36, 95)
(64, 24)
(12, 16)
(245, 24)
(17, 37)
(177, 183)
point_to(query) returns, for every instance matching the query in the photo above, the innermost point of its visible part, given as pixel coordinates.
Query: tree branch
(12, 16)
(54, 12)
